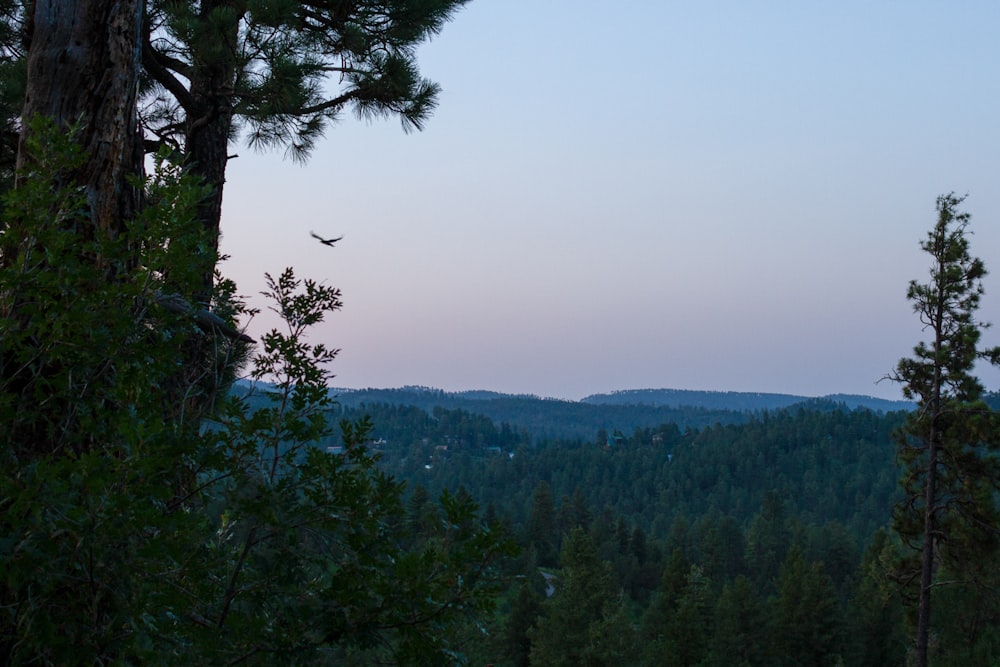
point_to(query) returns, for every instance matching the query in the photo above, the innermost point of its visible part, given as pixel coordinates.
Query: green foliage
(739, 619)
(806, 615)
(727, 502)
(768, 539)
(823, 466)
(947, 447)
(68, 299)
(522, 619)
(132, 531)
(584, 622)
(875, 617)
(541, 419)
(542, 535)
(684, 636)
(287, 69)
(94, 462)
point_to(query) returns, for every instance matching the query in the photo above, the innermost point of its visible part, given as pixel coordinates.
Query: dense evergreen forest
(544, 418)
(721, 537)
(548, 418)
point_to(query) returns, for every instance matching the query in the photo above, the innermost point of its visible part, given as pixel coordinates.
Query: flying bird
(324, 241)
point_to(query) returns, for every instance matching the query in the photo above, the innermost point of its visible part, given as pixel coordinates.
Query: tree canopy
(145, 515)
(279, 71)
(947, 447)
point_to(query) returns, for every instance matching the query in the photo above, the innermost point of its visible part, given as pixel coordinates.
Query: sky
(697, 195)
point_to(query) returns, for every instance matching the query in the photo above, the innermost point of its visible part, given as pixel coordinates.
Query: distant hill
(739, 401)
(544, 417)
(622, 411)
(878, 404)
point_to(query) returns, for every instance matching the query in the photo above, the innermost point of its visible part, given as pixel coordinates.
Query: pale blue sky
(696, 195)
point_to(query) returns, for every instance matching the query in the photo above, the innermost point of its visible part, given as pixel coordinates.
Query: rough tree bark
(209, 119)
(83, 70)
(83, 67)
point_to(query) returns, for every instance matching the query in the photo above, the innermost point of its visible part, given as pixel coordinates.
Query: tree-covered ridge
(543, 417)
(827, 465)
(620, 411)
(758, 543)
(737, 400)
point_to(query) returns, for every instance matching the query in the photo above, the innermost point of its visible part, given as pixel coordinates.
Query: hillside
(623, 411)
(825, 465)
(735, 400)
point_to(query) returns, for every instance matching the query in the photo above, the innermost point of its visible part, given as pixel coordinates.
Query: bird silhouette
(328, 242)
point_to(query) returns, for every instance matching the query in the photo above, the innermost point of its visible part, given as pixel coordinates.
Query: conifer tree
(875, 613)
(129, 534)
(67, 46)
(277, 72)
(739, 619)
(767, 539)
(689, 631)
(523, 616)
(583, 623)
(542, 535)
(661, 610)
(283, 71)
(135, 540)
(947, 446)
(806, 623)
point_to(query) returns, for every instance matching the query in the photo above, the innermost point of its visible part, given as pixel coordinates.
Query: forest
(761, 539)
(174, 491)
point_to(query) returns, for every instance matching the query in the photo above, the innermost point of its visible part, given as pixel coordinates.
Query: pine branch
(158, 65)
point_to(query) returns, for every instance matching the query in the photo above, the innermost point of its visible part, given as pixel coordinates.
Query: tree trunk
(82, 74)
(210, 120)
(927, 556)
(83, 69)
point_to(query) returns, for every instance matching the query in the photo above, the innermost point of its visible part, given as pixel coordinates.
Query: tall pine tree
(584, 622)
(947, 446)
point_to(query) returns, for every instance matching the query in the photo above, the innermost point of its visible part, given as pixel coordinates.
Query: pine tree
(950, 473)
(542, 534)
(523, 616)
(689, 631)
(583, 623)
(659, 616)
(128, 537)
(875, 614)
(194, 76)
(739, 620)
(806, 622)
(767, 541)
(283, 71)
(66, 48)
